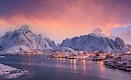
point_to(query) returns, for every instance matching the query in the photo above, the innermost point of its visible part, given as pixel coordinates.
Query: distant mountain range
(24, 39)
(93, 42)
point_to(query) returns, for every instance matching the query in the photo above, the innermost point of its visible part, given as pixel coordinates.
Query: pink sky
(60, 19)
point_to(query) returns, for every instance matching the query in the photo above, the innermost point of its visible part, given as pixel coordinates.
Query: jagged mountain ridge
(50, 42)
(128, 46)
(23, 39)
(93, 42)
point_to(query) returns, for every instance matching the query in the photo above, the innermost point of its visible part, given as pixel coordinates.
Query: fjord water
(43, 68)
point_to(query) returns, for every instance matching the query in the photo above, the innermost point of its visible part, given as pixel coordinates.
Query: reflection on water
(57, 68)
(84, 64)
(89, 65)
(73, 63)
(29, 61)
(102, 69)
(60, 62)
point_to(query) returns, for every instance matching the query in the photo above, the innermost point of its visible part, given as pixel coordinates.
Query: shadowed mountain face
(93, 42)
(23, 39)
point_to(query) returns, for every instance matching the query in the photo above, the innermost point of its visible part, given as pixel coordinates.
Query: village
(121, 61)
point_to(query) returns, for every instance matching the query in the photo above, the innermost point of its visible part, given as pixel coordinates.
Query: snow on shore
(2, 56)
(10, 72)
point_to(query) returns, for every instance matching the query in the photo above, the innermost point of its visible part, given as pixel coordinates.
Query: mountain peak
(93, 34)
(23, 39)
(24, 29)
(119, 40)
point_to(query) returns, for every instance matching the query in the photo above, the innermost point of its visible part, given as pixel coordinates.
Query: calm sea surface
(43, 68)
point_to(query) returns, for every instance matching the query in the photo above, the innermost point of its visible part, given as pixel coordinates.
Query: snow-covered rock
(50, 42)
(93, 42)
(10, 72)
(119, 43)
(22, 39)
(128, 46)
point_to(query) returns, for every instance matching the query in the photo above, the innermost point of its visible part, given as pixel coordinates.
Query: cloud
(112, 37)
(68, 17)
(126, 36)
(98, 31)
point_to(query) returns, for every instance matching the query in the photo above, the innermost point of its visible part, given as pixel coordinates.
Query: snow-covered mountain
(128, 46)
(50, 42)
(23, 39)
(93, 42)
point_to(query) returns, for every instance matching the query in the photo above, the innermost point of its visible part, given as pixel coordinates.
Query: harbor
(121, 61)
